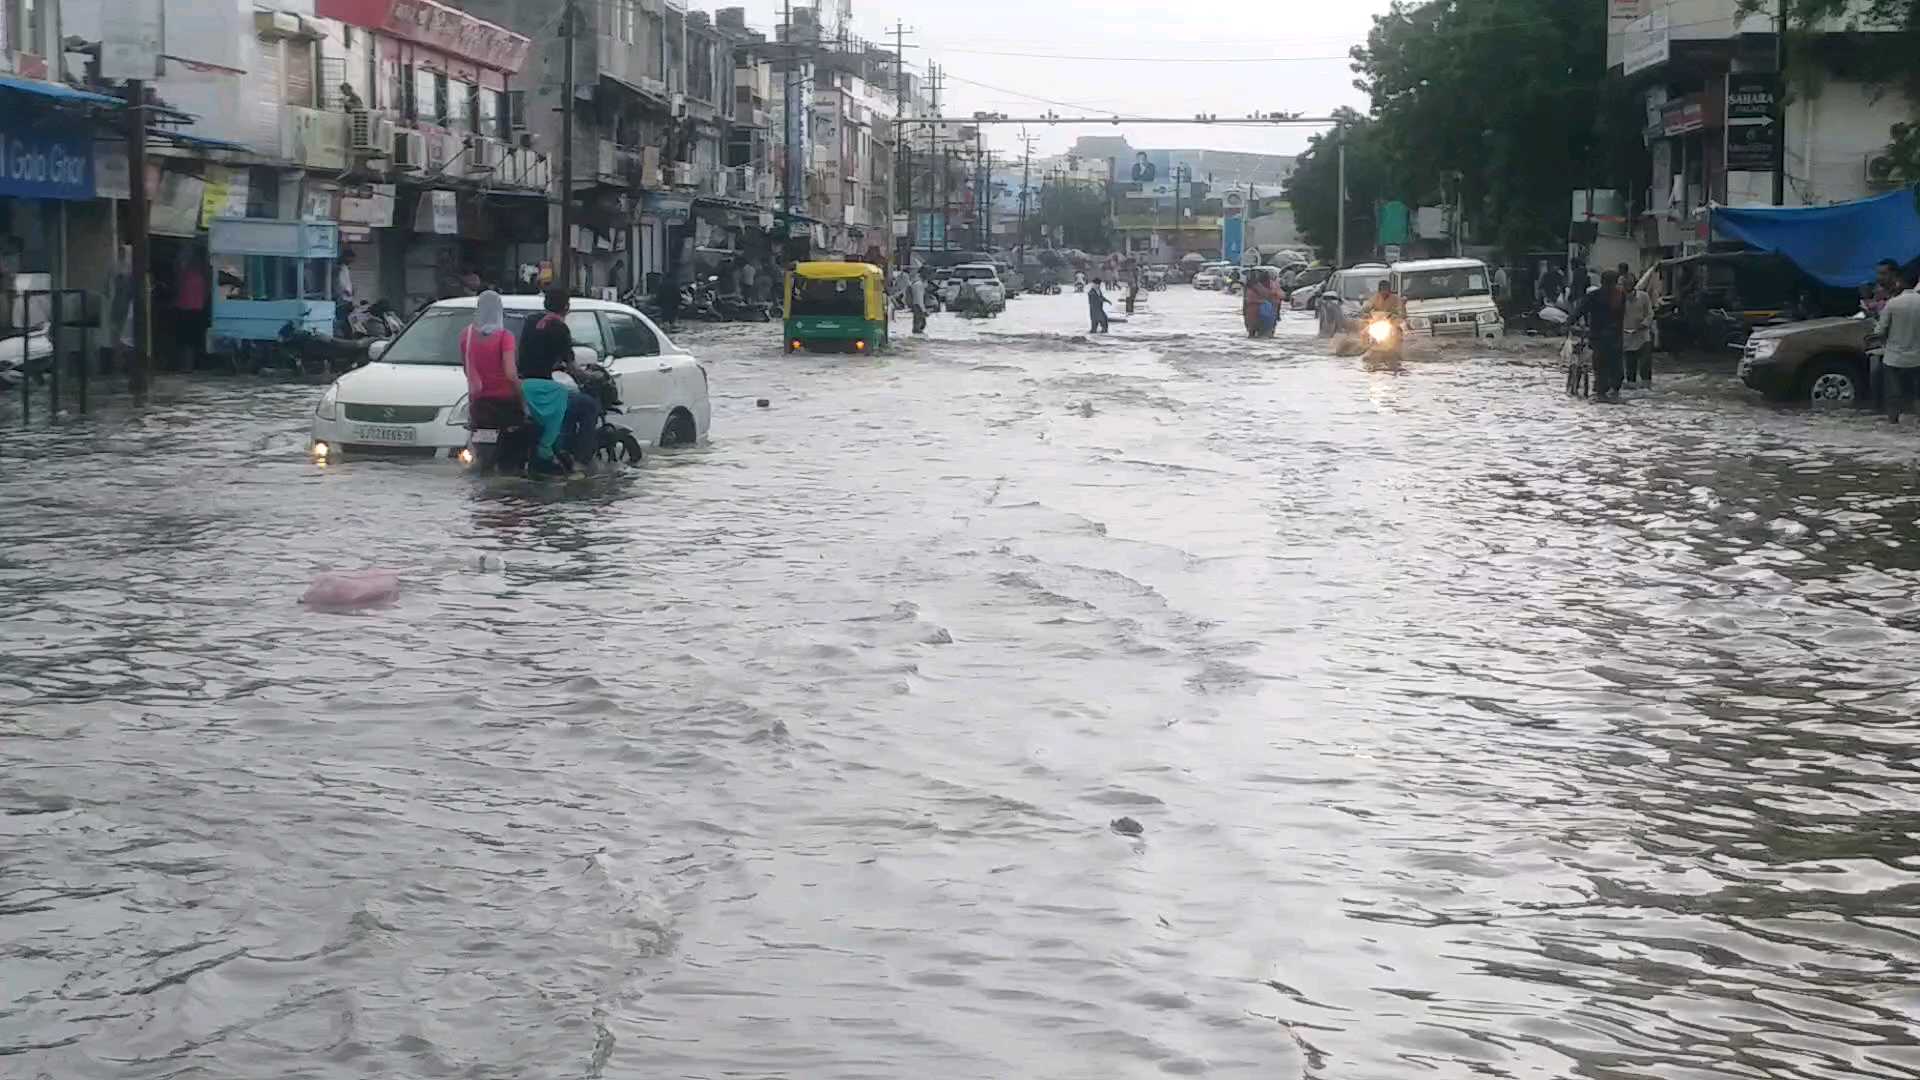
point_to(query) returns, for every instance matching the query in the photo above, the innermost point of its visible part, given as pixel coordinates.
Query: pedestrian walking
(1636, 331)
(1097, 308)
(1604, 310)
(1898, 331)
(917, 300)
(749, 276)
(1552, 283)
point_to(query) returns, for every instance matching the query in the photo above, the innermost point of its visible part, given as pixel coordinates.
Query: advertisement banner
(440, 26)
(1648, 42)
(446, 213)
(46, 164)
(1751, 130)
(1683, 117)
(371, 206)
(225, 194)
(131, 44)
(1232, 237)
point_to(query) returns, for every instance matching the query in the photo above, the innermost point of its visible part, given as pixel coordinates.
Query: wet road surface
(1473, 731)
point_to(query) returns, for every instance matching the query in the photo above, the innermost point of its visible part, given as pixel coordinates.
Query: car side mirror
(377, 349)
(585, 354)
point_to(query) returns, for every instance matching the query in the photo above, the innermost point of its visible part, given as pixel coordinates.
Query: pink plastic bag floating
(353, 592)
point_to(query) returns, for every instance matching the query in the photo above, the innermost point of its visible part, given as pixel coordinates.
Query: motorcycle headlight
(457, 416)
(329, 407)
(1381, 332)
(1764, 350)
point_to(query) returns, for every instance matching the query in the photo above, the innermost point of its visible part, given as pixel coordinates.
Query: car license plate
(485, 437)
(383, 433)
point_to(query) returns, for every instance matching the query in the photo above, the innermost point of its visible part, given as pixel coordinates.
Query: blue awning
(1838, 245)
(56, 91)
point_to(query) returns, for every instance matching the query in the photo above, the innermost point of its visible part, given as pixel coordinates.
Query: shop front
(46, 169)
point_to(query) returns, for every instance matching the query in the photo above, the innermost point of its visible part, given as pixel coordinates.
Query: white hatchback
(411, 398)
(985, 280)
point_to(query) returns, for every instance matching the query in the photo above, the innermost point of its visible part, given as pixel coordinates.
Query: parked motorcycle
(25, 356)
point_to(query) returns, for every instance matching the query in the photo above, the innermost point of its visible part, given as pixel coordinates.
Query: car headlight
(1419, 322)
(329, 407)
(1487, 317)
(457, 416)
(1764, 350)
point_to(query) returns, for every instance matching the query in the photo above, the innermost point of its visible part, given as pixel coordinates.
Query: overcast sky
(1226, 57)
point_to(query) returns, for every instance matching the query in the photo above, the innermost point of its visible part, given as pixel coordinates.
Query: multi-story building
(1706, 74)
(393, 117)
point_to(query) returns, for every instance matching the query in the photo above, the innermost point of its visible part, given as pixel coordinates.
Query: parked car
(1305, 278)
(411, 397)
(985, 281)
(1818, 361)
(1714, 301)
(1448, 298)
(1211, 276)
(1339, 301)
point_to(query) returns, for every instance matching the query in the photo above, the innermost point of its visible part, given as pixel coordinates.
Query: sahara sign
(1751, 116)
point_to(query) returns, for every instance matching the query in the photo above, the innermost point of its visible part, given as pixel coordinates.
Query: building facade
(1706, 75)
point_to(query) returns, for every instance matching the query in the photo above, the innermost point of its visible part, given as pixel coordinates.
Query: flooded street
(1473, 731)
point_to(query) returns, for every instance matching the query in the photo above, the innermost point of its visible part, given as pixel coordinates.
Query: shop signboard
(436, 25)
(1683, 117)
(1751, 119)
(664, 207)
(370, 205)
(1647, 42)
(46, 164)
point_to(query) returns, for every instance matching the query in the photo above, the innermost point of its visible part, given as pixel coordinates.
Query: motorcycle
(510, 450)
(1044, 287)
(736, 308)
(25, 356)
(1385, 338)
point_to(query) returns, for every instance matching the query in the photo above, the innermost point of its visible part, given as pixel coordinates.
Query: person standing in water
(1097, 308)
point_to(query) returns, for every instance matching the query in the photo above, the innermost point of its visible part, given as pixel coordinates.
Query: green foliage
(1884, 60)
(1510, 96)
(1314, 187)
(1079, 209)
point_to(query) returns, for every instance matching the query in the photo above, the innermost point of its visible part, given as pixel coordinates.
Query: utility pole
(979, 187)
(1340, 248)
(903, 147)
(566, 149)
(935, 163)
(1026, 183)
(786, 110)
(1780, 105)
(1179, 211)
(988, 212)
(140, 364)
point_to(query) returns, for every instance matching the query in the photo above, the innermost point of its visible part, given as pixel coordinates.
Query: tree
(1079, 211)
(1883, 59)
(1512, 96)
(1314, 187)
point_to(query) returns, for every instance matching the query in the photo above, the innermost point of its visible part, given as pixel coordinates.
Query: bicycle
(1579, 357)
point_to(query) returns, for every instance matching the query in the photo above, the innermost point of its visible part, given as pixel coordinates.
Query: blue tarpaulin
(1838, 245)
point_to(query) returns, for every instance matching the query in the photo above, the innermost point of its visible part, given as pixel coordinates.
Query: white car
(1210, 276)
(985, 281)
(1449, 298)
(411, 398)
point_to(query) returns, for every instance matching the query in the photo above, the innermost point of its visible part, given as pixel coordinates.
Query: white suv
(985, 281)
(411, 398)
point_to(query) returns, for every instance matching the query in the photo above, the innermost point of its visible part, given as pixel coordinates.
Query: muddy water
(1473, 732)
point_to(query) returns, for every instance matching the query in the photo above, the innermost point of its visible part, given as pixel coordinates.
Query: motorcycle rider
(1384, 301)
(547, 347)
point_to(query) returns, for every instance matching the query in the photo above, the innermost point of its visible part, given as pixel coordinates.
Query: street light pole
(140, 364)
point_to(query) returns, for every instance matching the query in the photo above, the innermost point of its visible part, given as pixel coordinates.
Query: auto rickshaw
(837, 307)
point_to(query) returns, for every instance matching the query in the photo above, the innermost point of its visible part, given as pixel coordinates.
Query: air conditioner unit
(486, 155)
(383, 132)
(682, 174)
(1883, 172)
(437, 151)
(360, 125)
(410, 150)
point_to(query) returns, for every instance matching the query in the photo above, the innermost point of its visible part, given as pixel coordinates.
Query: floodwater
(1473, 731)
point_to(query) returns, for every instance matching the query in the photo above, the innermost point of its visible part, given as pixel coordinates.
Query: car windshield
(1361, 285)
(1444, 284)
(975, 273)
(434, 338)
(829, 296)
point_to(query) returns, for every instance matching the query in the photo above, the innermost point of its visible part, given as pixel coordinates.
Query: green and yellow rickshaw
(837, 307)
